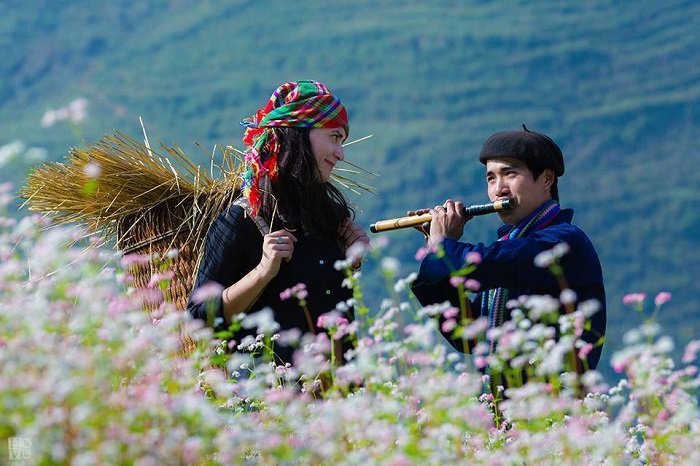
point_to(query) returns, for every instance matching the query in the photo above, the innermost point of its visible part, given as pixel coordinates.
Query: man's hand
(448, 221)
(423, 227)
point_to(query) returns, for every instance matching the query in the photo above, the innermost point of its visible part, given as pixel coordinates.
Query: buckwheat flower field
(89, 376)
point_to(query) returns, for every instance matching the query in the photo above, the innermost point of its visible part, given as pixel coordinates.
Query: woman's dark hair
(302, 200)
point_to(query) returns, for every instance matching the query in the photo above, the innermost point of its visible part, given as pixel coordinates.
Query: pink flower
(585, 349)
(160, 277)
(399, 460)
(449, 325)
(421, 253)
(456, 281)
(135, 259)
(298, 291)
(476, 328)
(662, 298)
(619, 365)
(450, 313)
(330, 320)
(149, 296)
(634, 298)
(691, 351)
(473, 257)
(473, 285)
(207, 292)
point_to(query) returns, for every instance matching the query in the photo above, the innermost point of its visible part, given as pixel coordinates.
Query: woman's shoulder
(231, 215)
(234, 210)
(234, 221)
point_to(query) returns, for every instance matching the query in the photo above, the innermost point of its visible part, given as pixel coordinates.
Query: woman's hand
(277, 246)
(237, 298)
(353, 236)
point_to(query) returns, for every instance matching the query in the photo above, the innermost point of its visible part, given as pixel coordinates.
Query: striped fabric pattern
(494, 304)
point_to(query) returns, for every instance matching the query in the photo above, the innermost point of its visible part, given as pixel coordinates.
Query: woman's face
(327, 148)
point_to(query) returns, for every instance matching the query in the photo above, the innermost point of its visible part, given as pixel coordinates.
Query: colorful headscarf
(301, 104)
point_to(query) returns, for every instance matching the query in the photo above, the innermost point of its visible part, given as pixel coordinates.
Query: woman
(294, 143)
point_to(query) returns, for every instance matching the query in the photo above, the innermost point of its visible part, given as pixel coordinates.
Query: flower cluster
(75, 112)
(298, 291)
(90, 378)
(86, 374)
(17, 153)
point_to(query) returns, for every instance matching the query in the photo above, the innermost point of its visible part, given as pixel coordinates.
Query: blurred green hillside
(615, 83)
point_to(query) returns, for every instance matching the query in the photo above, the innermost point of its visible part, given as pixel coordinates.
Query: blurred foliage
(616, 84)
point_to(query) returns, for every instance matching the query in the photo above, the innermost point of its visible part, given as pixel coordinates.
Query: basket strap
(260, 222)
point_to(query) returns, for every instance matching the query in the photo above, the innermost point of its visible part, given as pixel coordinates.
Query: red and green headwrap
(301, 104)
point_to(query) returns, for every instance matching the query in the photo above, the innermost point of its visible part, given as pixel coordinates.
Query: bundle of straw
(146, 202)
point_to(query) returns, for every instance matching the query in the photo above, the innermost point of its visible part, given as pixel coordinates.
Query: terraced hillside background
(616, 83)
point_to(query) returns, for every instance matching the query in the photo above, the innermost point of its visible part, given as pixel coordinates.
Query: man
(522, 166)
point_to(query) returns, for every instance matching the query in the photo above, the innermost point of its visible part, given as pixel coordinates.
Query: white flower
(524, 324)
(650, 329)
(92, 169)
(11, 151)
(342, 264)
(434, 309)
(402, 283)
(664, 345)
(544, 259)
(390, 265)
(589, 307)
(560, 249)
(631, 337)
(553, 362)
(567, 296)
(356, 251)
(263, 320)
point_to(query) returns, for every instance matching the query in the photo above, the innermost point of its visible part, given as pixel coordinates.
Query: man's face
(509, 178)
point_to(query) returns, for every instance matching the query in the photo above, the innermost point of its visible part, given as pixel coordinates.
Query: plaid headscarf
(301, 104)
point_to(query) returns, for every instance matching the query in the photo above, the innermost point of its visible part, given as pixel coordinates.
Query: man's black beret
(535, 149)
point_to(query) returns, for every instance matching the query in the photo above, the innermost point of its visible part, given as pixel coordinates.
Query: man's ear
(549, 177)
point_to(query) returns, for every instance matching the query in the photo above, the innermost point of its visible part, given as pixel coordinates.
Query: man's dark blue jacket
(510, 264)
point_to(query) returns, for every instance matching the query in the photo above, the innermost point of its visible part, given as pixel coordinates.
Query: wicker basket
(141, 201)
(155, 234)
